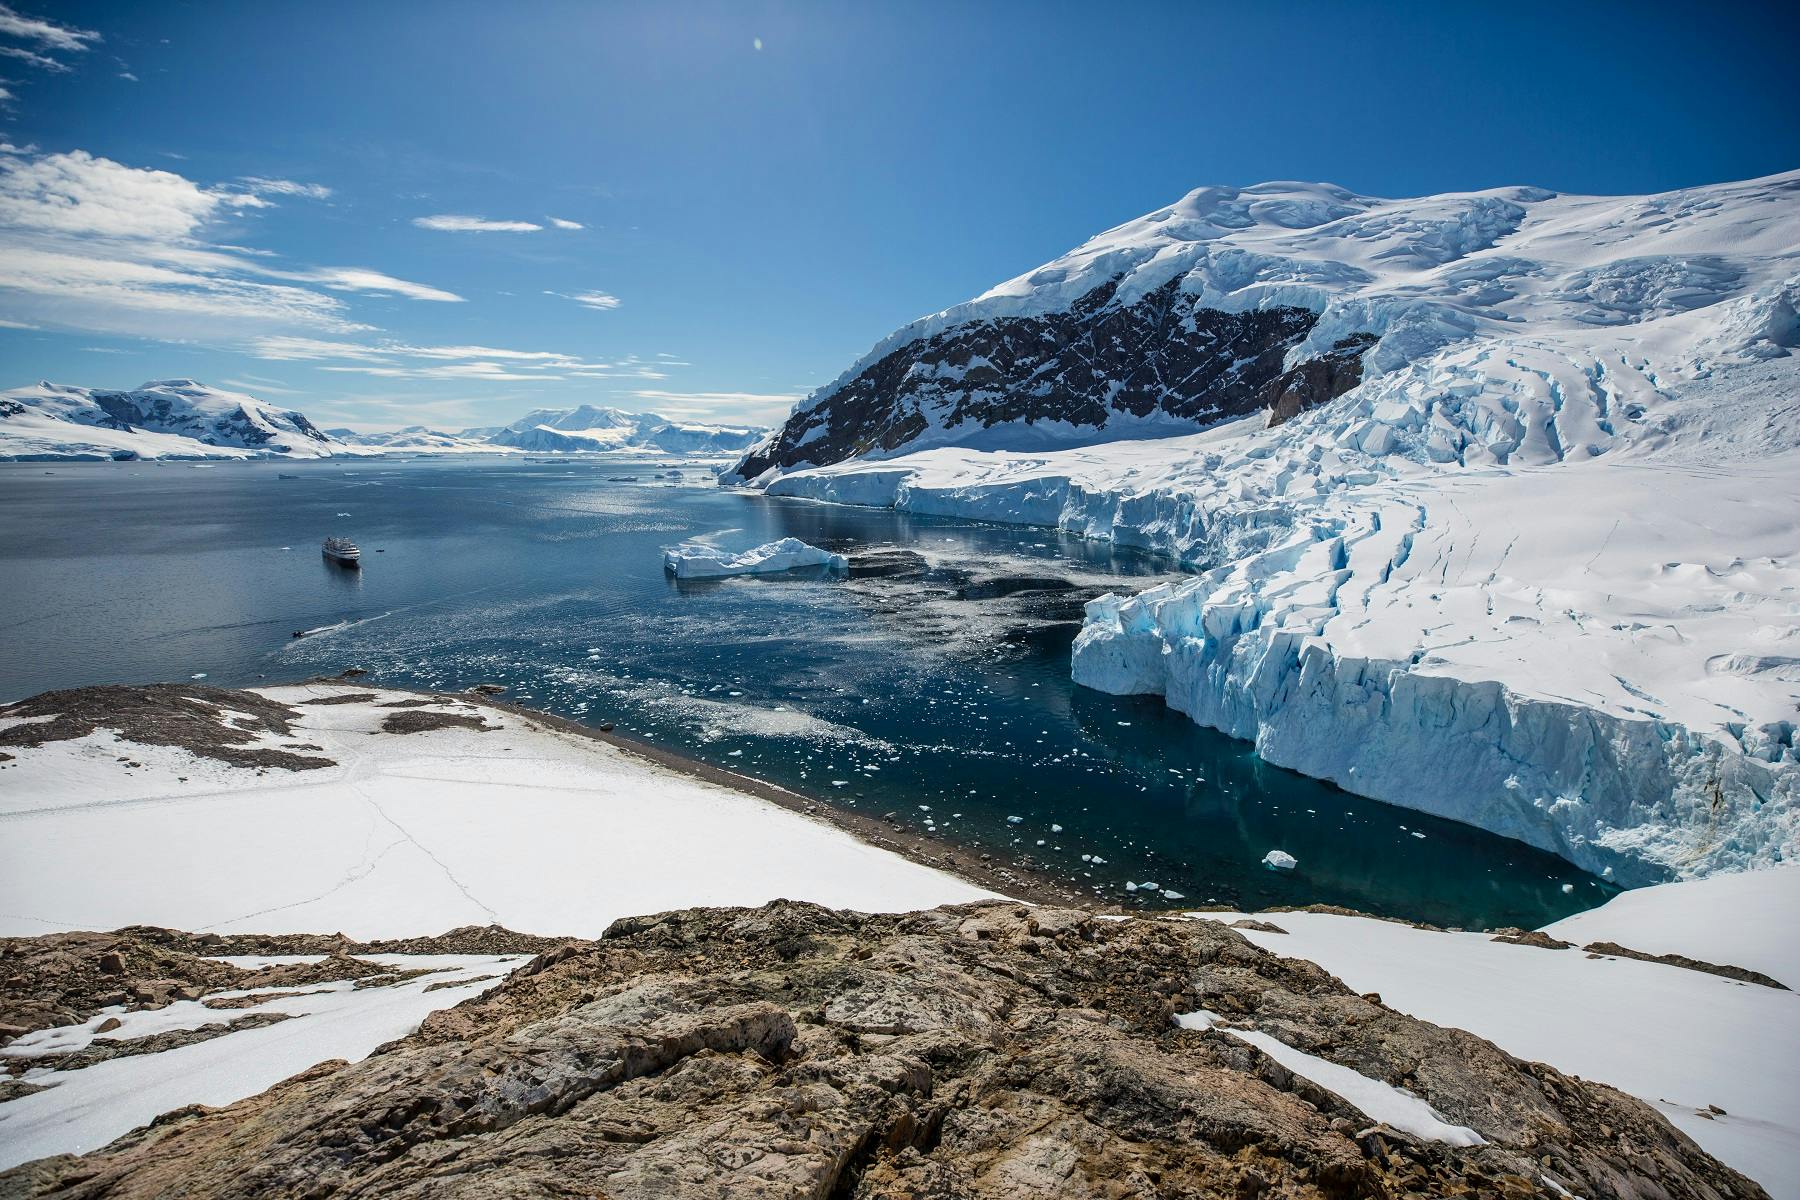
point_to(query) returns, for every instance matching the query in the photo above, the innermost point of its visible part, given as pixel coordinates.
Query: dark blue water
(932, 698)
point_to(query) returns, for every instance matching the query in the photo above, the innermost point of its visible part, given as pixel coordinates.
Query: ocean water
(939, 694)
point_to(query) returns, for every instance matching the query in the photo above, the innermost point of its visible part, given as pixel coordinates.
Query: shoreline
(1013, 881)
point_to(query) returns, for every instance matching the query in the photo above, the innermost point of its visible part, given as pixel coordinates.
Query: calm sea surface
(943, 699)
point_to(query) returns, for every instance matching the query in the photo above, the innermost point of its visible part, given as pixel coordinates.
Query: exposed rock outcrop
(982, 1051)
(1099, 364)
(65, 978)
(216, 723)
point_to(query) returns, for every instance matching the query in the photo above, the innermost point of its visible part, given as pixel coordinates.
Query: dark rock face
(990, 1050)
(1097, 361)
(1313, 382)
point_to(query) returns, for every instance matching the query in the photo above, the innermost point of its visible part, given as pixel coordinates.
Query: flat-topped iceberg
(693, 560)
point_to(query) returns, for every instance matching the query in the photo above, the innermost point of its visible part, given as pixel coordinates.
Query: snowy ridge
(1231, 299)
(1420, 273)
(592, 428)
(171, 418)
(1539, 571)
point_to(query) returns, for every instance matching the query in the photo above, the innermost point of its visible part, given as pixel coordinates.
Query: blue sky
(729, 203)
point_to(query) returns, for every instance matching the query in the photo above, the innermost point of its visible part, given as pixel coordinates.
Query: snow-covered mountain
(418, 439)
(170, 418)
(591, 427)
(179, 418)
(1280, 296)
(1534, 566)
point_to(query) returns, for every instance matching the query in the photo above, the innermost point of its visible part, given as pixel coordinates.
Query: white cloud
(105, 289)
(361, 279)
(600, 301)
(44, 33)
(448, 223)
(34, 58)
(462, 372)
(285, 187)
(254, 385)
(91, 244)
(762, 408)
(127, 75)
(77, 193)
(398, 360)
(562, 224)
(286, 348)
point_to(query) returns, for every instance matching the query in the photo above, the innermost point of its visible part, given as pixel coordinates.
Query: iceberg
(694, 560)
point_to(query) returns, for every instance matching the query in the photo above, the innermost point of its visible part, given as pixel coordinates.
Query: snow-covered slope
(1717, 1057)
(1538, 571)
(171, 418)
(417, 439)
(397, 834)
(1282, 295)
(590, 428)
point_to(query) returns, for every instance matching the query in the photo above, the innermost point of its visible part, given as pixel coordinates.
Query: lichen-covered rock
(989, 1050)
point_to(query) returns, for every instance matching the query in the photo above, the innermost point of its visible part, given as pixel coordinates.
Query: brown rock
(984, 1051)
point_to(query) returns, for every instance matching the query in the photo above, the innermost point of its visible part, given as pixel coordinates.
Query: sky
(450, 213)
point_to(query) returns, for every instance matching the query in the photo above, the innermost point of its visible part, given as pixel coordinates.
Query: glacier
(1539, 571)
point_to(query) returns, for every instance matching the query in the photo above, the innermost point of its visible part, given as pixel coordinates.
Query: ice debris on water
(1280, 860)
(696, 560)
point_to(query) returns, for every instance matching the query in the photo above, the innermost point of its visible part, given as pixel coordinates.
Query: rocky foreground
(988, 1050)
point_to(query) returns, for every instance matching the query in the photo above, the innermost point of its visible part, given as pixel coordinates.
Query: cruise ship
(342, 551)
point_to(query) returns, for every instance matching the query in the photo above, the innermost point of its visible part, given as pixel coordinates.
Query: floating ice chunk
(1014, 820)
(1280, 860)
(1172, 894)
(1056, 829)
(693, 560)
(1568, 889)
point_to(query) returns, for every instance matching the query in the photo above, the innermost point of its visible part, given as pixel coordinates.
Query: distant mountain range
(593, 428)
(184, 419)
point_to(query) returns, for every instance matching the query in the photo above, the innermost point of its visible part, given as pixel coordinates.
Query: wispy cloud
(560, 223)
(257, 385)
(398, 360)
(260, 186)
(759, 408)
(43, 61)
(450, 223)
(92, 244)
(599, 301)
(464, 372)
(361, 279)
(44, 33)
